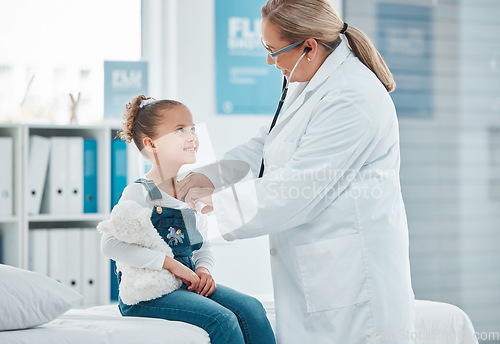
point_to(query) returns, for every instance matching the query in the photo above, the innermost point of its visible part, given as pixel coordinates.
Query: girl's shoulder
(135, 192)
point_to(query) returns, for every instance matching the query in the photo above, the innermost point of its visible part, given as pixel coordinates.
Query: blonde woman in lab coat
(329, 197)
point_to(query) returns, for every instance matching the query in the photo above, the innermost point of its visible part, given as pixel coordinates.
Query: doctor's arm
(338, 141)
(249, 152)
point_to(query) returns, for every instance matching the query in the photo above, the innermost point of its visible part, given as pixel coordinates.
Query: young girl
(164, 132)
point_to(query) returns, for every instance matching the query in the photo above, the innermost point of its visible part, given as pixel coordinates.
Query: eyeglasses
(285, 49)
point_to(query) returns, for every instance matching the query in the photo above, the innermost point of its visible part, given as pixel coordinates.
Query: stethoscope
(284, 91)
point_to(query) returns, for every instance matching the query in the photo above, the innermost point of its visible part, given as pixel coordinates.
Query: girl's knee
(255, 307)
(225, 328)
(228, 319)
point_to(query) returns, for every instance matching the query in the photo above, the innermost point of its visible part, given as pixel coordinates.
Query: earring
(309, 59)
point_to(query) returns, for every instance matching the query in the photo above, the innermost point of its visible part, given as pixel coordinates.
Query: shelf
(17, 231)
(68, 218)
(8, 219)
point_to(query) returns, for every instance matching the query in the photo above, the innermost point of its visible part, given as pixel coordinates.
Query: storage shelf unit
(14, 229)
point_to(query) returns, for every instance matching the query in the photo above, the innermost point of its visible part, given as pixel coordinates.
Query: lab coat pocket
(333, 273)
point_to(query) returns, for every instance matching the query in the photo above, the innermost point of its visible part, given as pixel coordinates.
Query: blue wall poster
(123, 80)
(405, 42)
(245, 83)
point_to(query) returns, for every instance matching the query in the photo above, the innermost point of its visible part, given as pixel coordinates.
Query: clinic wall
(479, 147)
(450, 160)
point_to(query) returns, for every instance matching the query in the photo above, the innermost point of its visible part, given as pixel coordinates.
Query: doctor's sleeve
(337, 142)
(249, 152)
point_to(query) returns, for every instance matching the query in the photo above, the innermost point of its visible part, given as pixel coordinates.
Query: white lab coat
(330, 200)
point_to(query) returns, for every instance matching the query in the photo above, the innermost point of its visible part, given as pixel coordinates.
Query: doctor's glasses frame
(276, 53)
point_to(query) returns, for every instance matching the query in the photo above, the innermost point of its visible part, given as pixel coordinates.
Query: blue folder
(118, 169)
(90, 176)
(118, 183)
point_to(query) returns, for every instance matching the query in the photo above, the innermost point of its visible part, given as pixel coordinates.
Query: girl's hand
(207, 286)
(182, 272)
(192, 180)
(203, 195)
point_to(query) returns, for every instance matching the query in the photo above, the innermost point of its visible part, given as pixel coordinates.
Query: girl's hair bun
(131, 110)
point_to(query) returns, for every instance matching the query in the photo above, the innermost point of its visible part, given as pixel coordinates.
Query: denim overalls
(176, 226)
(228, 316)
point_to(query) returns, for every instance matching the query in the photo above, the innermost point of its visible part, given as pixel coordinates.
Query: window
(446, 65)
(52, 48)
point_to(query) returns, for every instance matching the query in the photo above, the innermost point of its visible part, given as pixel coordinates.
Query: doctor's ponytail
(366, 52)
(302, 19)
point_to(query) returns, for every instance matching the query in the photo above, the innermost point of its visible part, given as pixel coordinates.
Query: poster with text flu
(245, 83)
(123, 80)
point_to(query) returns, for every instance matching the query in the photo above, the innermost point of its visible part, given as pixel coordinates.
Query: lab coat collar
(329, 66)
(332, 62)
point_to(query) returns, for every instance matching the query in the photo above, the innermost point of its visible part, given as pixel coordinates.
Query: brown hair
(140, 122)
(302, 19)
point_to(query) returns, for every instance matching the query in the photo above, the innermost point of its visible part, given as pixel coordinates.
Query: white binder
(57, 254)
(74, 172)
(135, 165)
(38, 162)
(55, 198)
(6, 176)
(90, 257)
(73, 263)
(38, 260)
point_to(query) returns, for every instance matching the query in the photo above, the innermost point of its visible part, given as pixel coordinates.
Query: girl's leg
(181, 305)
(250, 313)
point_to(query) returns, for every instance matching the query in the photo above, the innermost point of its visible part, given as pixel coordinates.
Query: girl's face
(176, 143)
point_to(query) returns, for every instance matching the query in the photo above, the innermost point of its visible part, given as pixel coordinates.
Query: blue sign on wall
(246, 84)
(405, 42)
(123, 80)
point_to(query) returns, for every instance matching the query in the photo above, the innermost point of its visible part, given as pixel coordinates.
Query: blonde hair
(140, 122)
(302, 19)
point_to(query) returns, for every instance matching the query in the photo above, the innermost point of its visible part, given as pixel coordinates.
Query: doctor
(329, 196)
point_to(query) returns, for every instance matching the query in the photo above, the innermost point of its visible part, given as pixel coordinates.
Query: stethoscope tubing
(284, 91)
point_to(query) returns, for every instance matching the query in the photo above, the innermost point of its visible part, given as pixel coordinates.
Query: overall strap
(153, 191)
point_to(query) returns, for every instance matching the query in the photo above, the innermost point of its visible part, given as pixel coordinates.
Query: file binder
(135, 166)
(114, 287)
(90, 256)
(118, 169)
(90, 176)
(73, 264)
(38, 162)
(118, 183)
(57, 254)
(55, 199)
(38, 260)
(6, 176)
(74, 172)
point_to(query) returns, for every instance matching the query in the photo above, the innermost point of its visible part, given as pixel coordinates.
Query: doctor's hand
(203, 195)
(182, 272)
(192, 180)
(207, 286)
